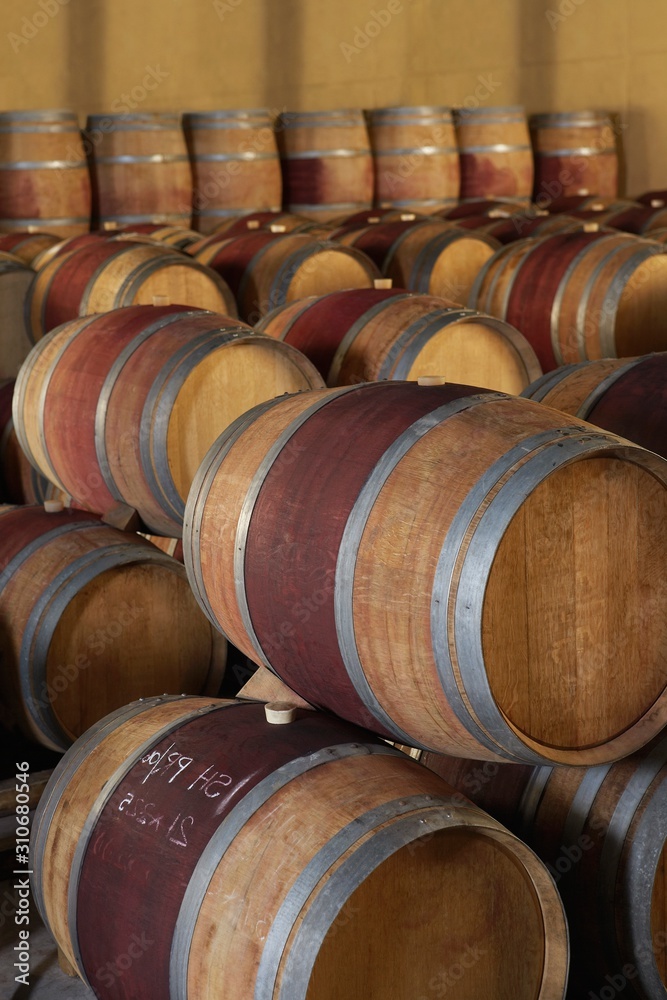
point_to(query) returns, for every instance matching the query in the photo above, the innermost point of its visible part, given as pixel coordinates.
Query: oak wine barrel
(367, 335)
(140, 169)
(575, 154)
(235, 165)
(26, 246)
(626, 396)
(431, 257)
(44, 179)
(265, 269)
(108, 274)
(378, 861)
(121, 408)
(92, 618)
(20, 482)
(579, 296)
(326, 162)
(415, 157)
(495, 153)
(15, 339)
(602, 832)
(425, 588)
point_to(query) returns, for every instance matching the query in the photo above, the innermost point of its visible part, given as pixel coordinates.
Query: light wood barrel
(109, 274)
(140, 169)
(434, 583)
(627, 396)
(580, 296)
(379, 861)
(235, 165)
(415, 157)
(15, 339)
(575, 154)
(26, 246)
(44, 180)
(121, 408)
(93, 618)
(431, 257)
(266, 270)
(495, 153)
(372, 334)
(326, 162)
(602, 833)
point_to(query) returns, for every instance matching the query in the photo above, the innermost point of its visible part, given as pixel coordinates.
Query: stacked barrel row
(204, 167)
(437, 562)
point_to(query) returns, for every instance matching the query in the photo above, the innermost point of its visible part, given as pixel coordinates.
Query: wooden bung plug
(252, 223)
(161, 300)
(383, 282)
(431, 380)
(279, 713)
(277, 227)
(53, 506)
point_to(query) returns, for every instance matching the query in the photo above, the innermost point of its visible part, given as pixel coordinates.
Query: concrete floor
(47, 981)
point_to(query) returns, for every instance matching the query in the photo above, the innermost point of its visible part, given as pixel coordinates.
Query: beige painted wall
(100, 55)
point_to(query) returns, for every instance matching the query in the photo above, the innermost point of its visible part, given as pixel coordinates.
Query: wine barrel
(266, 270)
(26, 246)
(522, 226)
(20, 483)
(379, 861)
(44, 180)
(415, 157)
(432, 257)
(495, 153)
(108, 274)
(479, 206)
(172, 236)
(602, 833)
(62, 247)
(122, 407)
(15, 284)
(326, 162)
(235, 165)
(367, 335)
(579, 296)
(434, 584)
(626, 397)
(575, 154)
(639, 219)
(92, 618)
(140, 169)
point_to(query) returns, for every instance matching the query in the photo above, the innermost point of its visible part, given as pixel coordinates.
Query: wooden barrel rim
(234, 823)
(288, 269)
(505, 252)
(430, 325)
(602, 387)
(425, 260)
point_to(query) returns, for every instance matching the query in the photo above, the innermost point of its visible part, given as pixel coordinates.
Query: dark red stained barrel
(635, 405)
(71, 280)
(338, 430)
(232, 258)
(377, 240)
(70, 404)
(476, 206)
(320, 325)
(534, 288)
(209, 740)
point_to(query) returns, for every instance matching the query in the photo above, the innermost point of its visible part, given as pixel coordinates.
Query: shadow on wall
(86, 55)
(282, 45)
(537, 54)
